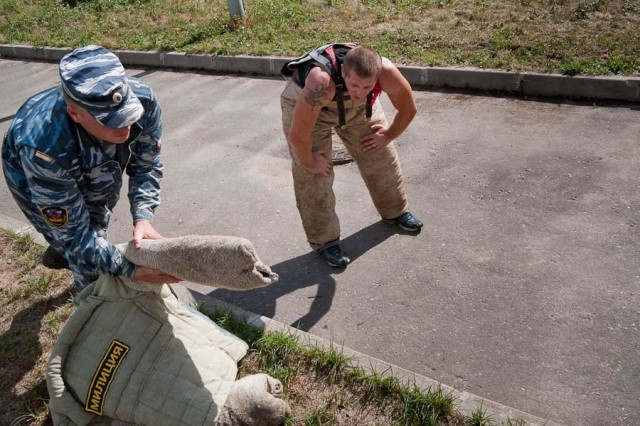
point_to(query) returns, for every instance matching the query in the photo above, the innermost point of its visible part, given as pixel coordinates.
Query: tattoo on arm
(316, 95)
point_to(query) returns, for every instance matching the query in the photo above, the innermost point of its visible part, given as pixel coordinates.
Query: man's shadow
(305, 271)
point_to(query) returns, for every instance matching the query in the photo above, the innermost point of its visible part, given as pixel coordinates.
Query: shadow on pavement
(303, 271)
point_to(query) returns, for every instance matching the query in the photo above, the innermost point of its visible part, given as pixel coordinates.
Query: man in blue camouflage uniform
(64, 155)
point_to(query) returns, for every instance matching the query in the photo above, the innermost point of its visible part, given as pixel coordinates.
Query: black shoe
(335, 256)
(406, 221)
(54, 260)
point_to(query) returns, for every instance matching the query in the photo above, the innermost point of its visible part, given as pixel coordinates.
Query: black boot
(335, 256)
(54, 260)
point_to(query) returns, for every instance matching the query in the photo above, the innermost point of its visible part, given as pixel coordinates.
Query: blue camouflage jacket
(67, 182)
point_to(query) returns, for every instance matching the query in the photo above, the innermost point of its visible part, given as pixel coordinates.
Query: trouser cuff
(321, 246)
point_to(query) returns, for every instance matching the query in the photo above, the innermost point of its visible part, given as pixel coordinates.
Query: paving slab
(523, 288)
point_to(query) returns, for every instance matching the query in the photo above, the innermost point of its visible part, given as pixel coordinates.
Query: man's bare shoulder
(318, 76)
(318, 88)
(391, 79)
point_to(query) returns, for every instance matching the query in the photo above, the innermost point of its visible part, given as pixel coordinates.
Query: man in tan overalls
(336, 87)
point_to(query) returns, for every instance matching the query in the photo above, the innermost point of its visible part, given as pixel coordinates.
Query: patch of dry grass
(312, 397)
(35, 303)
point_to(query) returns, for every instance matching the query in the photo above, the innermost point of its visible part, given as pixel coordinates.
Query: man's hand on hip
(376, 140)
(321, 164)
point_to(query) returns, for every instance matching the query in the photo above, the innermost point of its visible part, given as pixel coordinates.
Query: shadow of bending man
(304, 271)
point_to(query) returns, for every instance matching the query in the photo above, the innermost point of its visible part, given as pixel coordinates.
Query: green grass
(479, 417)
(282, 356)
(31, 283)
(591, 37)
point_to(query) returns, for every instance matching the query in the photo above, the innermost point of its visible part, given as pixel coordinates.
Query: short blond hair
(364, 61)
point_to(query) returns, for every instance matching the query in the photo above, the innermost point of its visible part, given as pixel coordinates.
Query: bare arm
(399, 91)
(318, 92)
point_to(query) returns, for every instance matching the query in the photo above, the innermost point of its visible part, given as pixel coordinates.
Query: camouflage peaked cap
(94, 79)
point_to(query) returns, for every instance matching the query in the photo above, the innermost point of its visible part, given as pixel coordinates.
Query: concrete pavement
(523, 288)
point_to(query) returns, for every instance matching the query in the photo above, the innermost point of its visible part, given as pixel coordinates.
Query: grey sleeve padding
(132, 352)
(171, 365)
(213, 260)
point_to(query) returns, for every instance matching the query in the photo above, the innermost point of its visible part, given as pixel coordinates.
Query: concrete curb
(21, 228)
(194, 294)
(611, 88)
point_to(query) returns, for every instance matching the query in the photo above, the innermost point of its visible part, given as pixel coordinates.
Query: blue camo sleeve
(145, 168)
(88, 253)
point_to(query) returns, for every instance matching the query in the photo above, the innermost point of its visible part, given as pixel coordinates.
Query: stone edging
(611, 88)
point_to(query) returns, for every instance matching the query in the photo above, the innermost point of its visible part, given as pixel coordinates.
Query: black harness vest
(330, 58)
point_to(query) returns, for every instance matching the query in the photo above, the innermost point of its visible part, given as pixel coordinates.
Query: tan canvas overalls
(380, 170)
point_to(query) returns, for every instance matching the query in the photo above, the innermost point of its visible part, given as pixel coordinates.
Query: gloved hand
(254, 401)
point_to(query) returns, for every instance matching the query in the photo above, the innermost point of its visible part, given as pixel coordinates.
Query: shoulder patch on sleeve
(55, 216)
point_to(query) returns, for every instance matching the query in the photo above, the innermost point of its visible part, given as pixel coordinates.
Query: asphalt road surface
(523, 286)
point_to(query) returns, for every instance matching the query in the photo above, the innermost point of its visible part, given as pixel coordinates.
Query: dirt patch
(35, 303)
